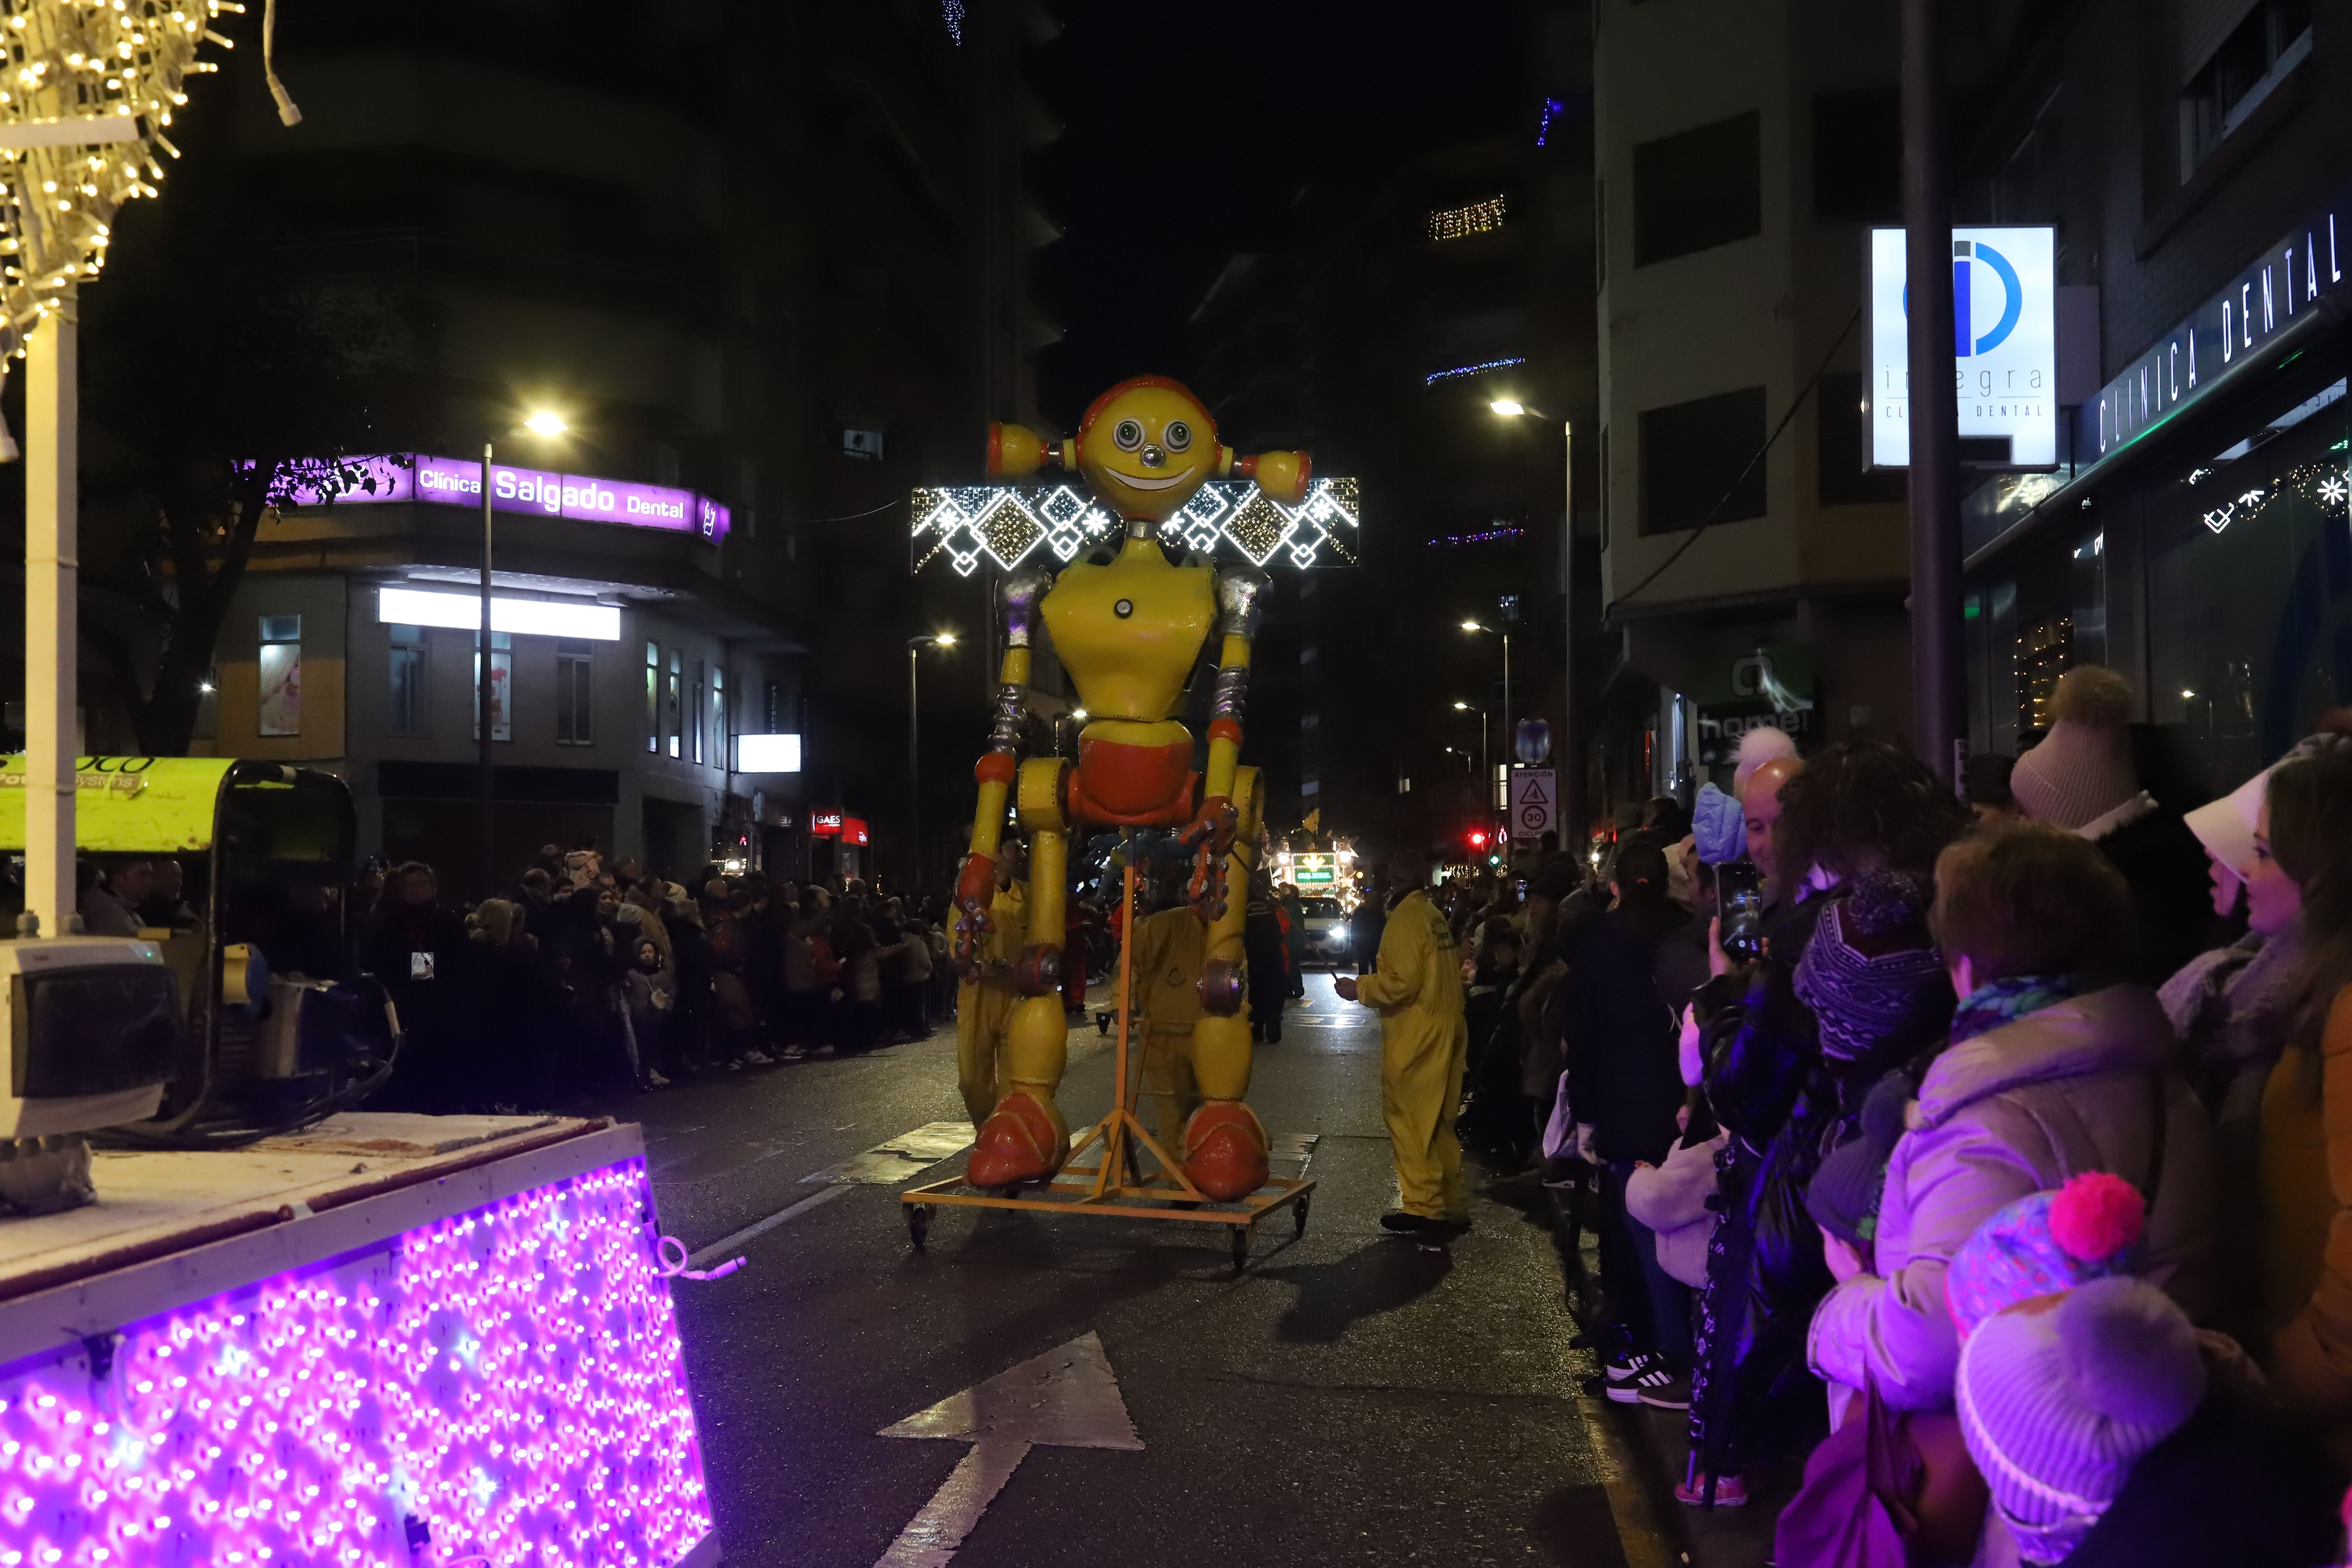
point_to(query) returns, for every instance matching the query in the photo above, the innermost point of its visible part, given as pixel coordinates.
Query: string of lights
(1460, 222)
(1460, 370)
(1005, 525)
(1489, 536)
(2317, 484)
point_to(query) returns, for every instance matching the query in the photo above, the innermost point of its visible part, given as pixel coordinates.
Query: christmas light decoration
(1005, 525)
(1459, 371)
(2320, 484)
(951, 13)
(87, 89)
(503, 1387)
(1460, 222)
(1496, 535)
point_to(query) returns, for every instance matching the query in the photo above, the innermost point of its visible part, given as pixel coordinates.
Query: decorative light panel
(86, 88)
(503, 1387)
(2318, 484)
(1005, 525)
(1460, 370)
(1461, 222)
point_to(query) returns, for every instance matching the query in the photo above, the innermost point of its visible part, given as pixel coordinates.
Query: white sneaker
(759, 1058)
(734, 1067)
(656, 1080)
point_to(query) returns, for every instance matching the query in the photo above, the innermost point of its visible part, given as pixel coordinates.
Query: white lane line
(725, 1245)
(883, 1165)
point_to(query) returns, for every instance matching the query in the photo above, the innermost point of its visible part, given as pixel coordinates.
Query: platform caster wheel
(1298, 1217)
(1241, 1240)
(918, 1225)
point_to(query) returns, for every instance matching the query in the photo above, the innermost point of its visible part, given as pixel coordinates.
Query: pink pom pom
(2344, 1508)
(2096, 1215)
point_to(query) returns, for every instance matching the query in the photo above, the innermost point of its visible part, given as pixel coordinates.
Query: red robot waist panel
(1129, 785)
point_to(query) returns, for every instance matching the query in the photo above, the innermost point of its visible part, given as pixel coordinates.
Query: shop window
(405, 712)
(2044, 651)
(717, 716)
(653, 699)
(280, 708)
(501, 687)
(1858, 156)
(1698, 461)
(1697, 190)
(1838, 448)
(2246, 67)
(670, 703)
(574, 692)
(695, 716)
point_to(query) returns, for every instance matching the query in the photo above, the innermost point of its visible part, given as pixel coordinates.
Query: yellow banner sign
(154, 806)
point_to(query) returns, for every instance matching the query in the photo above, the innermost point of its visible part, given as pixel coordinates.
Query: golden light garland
(87, 88)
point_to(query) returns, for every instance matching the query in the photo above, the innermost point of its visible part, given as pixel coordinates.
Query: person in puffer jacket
(2049, 1073)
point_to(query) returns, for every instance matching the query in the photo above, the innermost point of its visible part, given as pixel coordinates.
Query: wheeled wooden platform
(1117, 1185)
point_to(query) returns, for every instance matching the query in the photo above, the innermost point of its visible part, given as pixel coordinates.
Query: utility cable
(1708, 521)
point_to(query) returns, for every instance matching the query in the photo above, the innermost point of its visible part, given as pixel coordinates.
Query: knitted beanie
(2041, 1245)
(1716, 825)
(1872, 972)
(2057, 1406)
(2082, 768)
(1844, 1195)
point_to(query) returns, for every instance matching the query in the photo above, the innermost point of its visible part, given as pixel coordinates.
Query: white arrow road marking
(1065, 1398)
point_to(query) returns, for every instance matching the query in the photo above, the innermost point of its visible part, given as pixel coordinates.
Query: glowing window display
(1006, 524)
(505, 1386)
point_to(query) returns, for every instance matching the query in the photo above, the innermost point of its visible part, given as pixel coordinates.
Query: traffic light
(1477, 838)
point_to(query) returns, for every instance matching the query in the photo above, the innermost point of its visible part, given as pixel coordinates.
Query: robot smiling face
(1146, 445)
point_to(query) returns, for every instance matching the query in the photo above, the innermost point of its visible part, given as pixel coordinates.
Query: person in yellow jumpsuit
(984, 1007)
(1170, 948)
(1416, 988)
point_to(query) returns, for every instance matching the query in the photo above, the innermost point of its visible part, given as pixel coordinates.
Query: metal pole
(914, 785)
(1570, 805)
(1485, 776)
(1938, 700)
(52, 610)
(482, 685)
(1511, 732)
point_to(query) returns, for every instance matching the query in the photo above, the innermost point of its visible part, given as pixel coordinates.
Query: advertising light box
(2005, 348)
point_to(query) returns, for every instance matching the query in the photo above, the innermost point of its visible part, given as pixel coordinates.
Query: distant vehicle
(1326, 930)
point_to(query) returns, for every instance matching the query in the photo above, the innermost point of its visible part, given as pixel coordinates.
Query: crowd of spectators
(2000, 1183)
(587, 977)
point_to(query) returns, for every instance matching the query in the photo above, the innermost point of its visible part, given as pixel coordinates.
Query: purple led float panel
(505, 1386)
(459, 481)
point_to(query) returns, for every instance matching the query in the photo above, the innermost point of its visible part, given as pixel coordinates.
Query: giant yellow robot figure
(1128, 623)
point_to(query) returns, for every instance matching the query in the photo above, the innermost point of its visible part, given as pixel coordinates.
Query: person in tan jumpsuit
(985, 1009)
(1170, 948)
(1416, 988)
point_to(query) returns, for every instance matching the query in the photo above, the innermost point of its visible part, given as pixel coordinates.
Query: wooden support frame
(1116, 1185)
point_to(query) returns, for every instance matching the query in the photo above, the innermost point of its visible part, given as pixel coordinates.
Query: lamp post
(1485, 761)
(546, 425)
(1572, 805)
(914, 755)
(1506, 634)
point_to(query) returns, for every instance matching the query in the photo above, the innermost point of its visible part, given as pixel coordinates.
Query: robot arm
(976, 886)
(1241, 596)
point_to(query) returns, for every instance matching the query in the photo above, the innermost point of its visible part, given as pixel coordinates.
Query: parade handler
(1170, 948)
(984, 1005)
(1416, 987)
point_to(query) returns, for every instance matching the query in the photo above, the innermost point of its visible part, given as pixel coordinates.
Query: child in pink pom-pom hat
(2088, 1229)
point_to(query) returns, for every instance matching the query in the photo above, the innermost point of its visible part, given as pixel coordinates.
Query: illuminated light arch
(1005, 525)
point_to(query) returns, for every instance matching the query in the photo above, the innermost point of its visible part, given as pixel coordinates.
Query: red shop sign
(827, 823)
(853, 830)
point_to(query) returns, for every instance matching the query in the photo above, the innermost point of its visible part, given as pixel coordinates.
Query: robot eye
(1128, 435)
(1178, 436)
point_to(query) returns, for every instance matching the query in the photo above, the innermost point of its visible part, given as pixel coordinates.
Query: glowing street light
(546, 422)
(1509, 407)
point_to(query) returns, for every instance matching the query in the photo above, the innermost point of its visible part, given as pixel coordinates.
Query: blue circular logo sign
(1967, 255)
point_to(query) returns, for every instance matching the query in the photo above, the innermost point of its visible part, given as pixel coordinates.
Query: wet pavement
(1349, 1396)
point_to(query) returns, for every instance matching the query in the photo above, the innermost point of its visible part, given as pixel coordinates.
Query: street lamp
(913, 777)
(1512, 408)
(546, 425)
(1504, 633)
(1486, 759)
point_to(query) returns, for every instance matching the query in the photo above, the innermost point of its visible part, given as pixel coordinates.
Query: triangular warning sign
(1533, 793)
(1065, 1398)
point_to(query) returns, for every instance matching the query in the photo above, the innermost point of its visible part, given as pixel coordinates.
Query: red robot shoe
(1226, 1150)
(1018, 1143)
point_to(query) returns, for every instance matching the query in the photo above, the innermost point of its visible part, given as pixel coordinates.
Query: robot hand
(1211, 837)
(975, 891)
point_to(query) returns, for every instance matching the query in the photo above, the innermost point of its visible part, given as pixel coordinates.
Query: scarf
(1990, 1006)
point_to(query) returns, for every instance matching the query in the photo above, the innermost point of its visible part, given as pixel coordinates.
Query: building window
(1858, 156)
(1838, 451)
(2232, 82)
(1697, 190)
(1461, 222)
(574, 692)
(501, 687)
(671, 705)
(696, 714)
(279, 712)
(1696, 455)
(717, 716)
(653, 698)
(405, 713)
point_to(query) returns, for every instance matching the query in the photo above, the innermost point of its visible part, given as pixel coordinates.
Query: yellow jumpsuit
(984, 1012)
(1168, 950)
(1416, 987)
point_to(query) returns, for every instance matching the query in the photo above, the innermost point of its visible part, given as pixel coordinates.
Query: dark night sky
(1191, 128)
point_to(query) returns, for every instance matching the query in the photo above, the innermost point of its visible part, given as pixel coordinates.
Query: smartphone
(1741, 897)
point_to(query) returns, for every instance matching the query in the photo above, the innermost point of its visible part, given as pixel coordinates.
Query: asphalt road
(1350, 1397)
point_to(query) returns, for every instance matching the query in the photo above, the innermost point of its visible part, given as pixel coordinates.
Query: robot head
(1146, 446)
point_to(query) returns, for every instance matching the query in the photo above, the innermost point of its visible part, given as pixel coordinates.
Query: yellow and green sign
(1315, 870)
(154, 806)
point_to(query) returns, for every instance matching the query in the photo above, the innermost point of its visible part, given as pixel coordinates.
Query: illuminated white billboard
(531, 617)
(2005, 348)
(767, 753)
